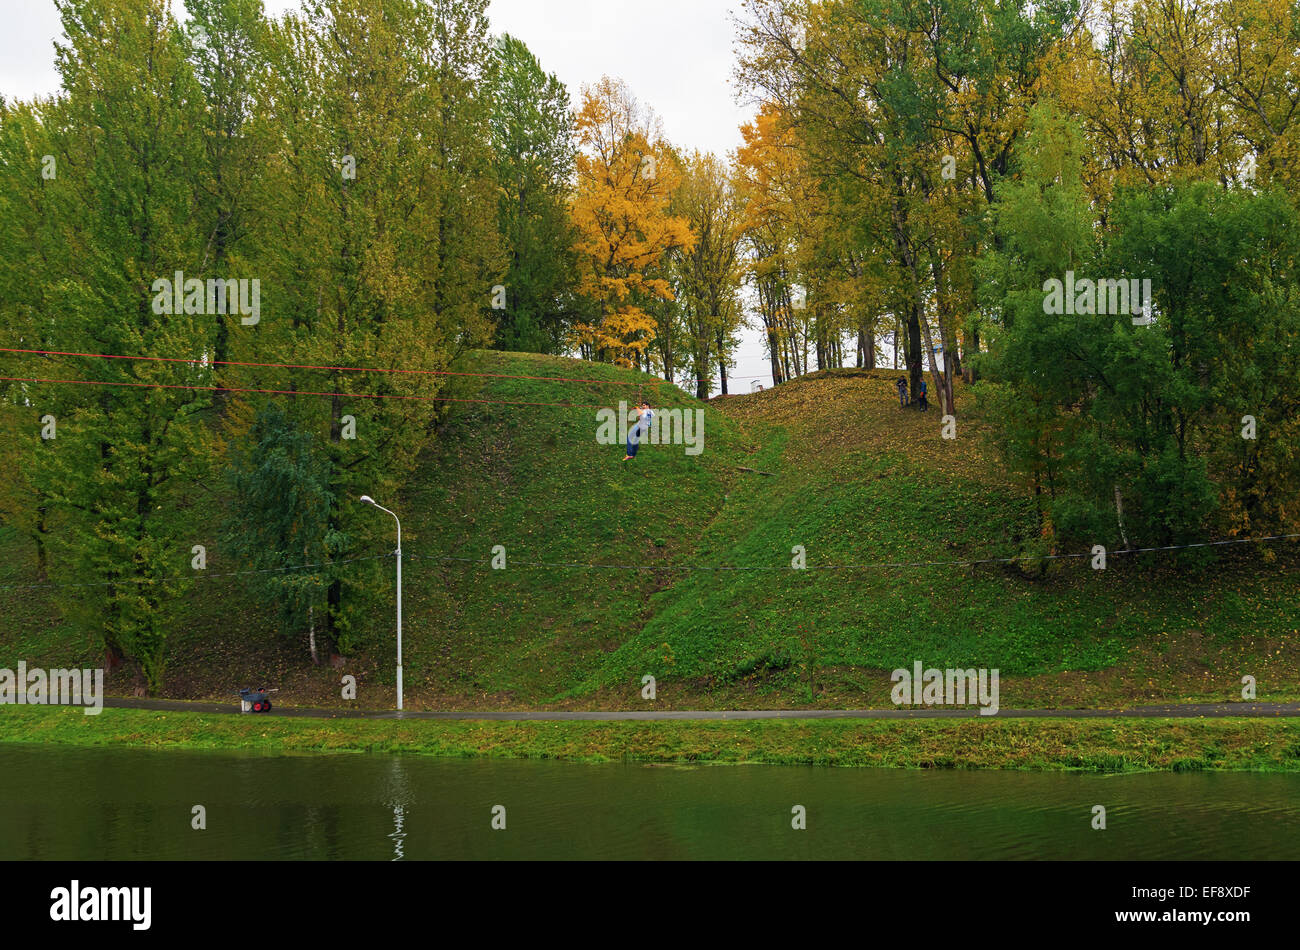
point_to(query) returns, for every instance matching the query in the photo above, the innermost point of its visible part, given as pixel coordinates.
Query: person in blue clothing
(645, 415)
(920, 396)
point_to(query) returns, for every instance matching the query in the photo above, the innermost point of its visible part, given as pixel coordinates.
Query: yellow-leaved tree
(627, 174)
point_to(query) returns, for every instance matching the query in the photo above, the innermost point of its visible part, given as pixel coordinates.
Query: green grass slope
(861, 482)
(711, 609)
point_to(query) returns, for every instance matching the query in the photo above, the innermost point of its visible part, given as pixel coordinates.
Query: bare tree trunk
(774, 350)
(914, 368)
(866, 349)
(311, 634)
(942, 380)
(1119, 516)
(767, 309)
(722, 363)
(793, 367)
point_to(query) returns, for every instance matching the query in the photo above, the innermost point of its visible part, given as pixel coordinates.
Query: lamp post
(366, 499)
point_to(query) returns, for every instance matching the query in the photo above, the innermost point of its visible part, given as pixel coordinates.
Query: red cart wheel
(257, 707)
(266, 707)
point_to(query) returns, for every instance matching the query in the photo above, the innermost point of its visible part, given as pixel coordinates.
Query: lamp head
(366, 499)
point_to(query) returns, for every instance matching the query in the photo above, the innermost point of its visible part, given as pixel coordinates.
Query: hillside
(855, 481)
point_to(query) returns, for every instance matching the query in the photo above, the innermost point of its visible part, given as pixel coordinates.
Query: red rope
(292, 392)
(350, 369)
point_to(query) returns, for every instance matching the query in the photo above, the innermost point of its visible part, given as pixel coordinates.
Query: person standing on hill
(920, 396)
(902, 392)
(645, 415)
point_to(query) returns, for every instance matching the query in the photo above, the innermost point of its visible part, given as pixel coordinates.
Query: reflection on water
(398, 836)
(398, 797)
(60, 803)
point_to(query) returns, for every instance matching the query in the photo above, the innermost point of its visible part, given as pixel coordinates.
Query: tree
(532, 146)
(767, 181)
(1223, 267)
(887, 102)
(375, 134)
(1044, 226)
(279, 481)
(708, 275)
(1256, 73)
(128, 118)
(627, 175)
(1134, 434)
(226, 42)
(34, 207)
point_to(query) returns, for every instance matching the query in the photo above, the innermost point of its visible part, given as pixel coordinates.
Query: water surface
(80, 804)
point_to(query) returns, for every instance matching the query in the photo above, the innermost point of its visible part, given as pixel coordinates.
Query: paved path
(1173, 711)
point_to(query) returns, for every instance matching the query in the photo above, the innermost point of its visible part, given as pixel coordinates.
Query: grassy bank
(1099, 745)
(855, 481)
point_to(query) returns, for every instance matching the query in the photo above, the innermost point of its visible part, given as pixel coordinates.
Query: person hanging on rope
(645, 415)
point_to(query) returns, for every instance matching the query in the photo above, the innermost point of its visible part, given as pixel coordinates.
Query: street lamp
(366, 499)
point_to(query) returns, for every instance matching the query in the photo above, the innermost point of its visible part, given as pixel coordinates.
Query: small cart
(254, 700)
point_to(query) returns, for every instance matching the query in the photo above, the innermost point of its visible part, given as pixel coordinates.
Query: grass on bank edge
(1096, 745)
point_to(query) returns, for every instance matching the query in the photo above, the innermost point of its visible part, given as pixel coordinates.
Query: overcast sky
(675, 55)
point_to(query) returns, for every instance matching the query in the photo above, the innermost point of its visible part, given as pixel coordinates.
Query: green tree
(532, 146)
(708, 275)
(279, 481)
(1223, 268)
(374, 129)
(1131, 433)
(127, 447)
(33, 253)
(1043, 226)
(226, 42)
